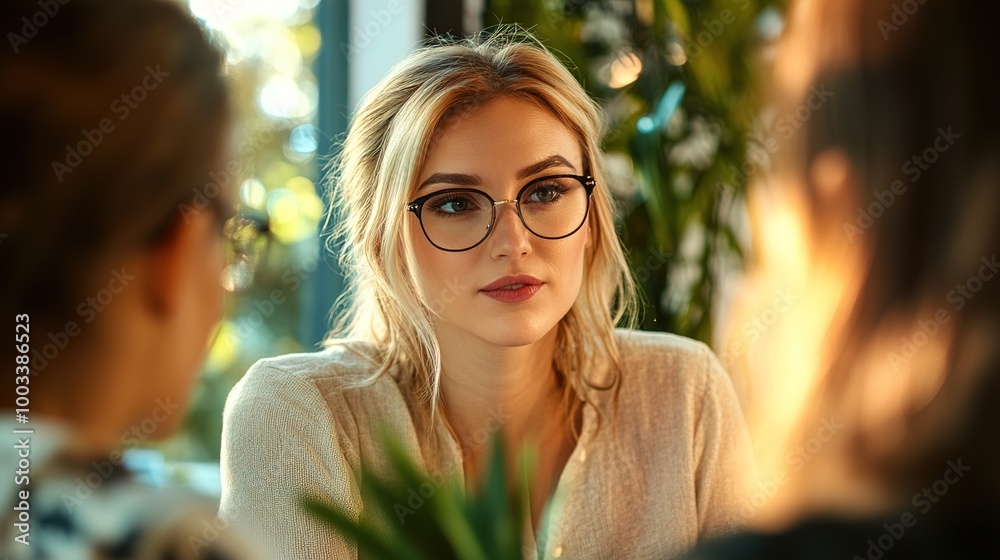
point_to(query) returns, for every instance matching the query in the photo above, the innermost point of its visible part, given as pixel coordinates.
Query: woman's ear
(832, 177)
(184, 257)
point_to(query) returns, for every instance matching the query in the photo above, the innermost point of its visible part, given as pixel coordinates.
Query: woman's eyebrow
(460, 179)
(547, 163)
(465, 180)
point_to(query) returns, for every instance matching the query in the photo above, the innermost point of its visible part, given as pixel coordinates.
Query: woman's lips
(513, 294)
(512, 288)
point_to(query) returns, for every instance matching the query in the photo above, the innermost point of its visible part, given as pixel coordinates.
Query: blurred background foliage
(677, 79)
(270, 46)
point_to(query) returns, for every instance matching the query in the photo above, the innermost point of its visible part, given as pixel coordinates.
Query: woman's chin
(503, 330)
(514, 334)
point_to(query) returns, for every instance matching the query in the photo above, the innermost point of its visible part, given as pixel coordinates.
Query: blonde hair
(376, 171)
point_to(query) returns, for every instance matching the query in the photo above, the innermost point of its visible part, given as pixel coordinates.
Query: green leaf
(366, 537)
(679, 15)
(484, 526)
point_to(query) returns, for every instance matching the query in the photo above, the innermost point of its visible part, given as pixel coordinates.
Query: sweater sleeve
(723, 451)
(280, 442)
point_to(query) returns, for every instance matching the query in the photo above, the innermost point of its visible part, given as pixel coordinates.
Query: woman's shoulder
(678, 364)
(344, 360)
(654, 344)
(303, 402)
(331, 379)
(663, 353)
(343, 364)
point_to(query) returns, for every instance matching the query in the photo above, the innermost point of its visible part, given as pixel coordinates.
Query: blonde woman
(487, 282)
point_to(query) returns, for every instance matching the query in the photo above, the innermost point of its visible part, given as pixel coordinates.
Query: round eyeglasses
(550, 207)
(248, 238)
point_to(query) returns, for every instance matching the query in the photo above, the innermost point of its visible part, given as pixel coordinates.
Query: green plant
(447, 524)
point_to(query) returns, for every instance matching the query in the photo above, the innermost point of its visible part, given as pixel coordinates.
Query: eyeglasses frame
(261, 226)
(416, 206)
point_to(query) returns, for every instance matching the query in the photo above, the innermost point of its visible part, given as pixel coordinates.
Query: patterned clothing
(94, 509)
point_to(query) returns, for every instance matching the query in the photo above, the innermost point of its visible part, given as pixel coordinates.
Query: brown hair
(112, 113)
(914, 115)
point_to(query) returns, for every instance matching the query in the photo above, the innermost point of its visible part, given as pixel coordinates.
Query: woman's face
(498, 148)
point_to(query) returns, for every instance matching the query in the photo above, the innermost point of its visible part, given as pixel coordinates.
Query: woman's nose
(509, 236)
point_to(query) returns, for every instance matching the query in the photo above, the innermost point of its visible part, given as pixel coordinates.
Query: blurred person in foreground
(112, 114)
(877, 422)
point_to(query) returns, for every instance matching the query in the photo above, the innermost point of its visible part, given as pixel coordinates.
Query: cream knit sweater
(675, 477)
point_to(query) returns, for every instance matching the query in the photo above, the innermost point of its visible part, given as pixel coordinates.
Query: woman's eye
(453, 204)
(547, 193)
